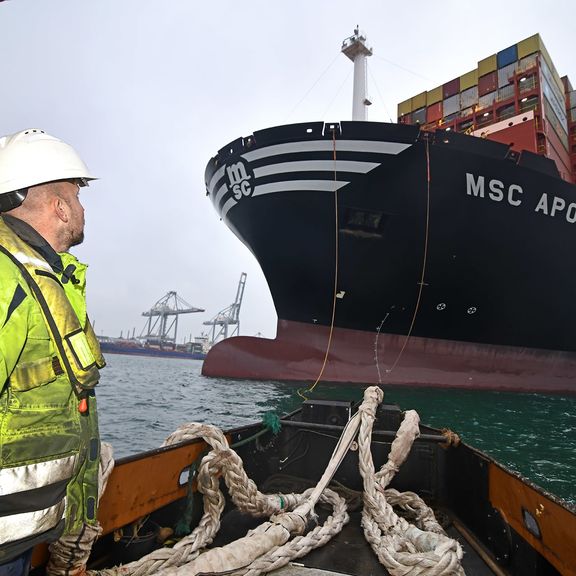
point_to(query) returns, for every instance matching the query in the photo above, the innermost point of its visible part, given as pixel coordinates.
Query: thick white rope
(404, 549)
(264, 545)
(401, 547)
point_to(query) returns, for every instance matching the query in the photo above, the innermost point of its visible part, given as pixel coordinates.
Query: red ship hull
(355, 356)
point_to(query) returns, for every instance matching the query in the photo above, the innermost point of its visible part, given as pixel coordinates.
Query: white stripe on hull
(303, 166)
(289, 186)
(316, 166)
(220, 194)
(364, 146)
(299, 186)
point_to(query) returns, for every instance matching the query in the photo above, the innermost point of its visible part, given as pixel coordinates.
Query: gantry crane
(162, 325)
(228, 317)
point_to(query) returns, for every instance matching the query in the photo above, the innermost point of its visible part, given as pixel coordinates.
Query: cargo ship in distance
(135, 347)
(159, 336)
(431, 252)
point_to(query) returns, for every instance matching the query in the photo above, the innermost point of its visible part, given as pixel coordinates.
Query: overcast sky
(148, 91)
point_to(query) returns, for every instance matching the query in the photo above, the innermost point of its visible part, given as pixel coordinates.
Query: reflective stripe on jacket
(49, 451)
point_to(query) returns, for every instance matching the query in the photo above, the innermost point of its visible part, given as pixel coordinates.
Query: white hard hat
(32, 157)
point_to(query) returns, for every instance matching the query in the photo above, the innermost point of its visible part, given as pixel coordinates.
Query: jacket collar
(25, 232)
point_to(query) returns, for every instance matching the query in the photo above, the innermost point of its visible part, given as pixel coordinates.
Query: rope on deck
(403, 548)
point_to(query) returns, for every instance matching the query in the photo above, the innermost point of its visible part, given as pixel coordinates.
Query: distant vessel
(415, 253)
(134, 347)
(159, 336)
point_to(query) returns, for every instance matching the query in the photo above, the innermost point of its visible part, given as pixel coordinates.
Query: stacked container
(519, 83)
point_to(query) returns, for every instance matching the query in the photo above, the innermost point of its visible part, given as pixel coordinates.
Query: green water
(142, 400)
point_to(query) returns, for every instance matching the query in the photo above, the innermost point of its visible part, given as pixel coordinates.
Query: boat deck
(347, 553)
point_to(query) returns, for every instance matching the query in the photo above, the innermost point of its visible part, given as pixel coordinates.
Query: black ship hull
(402, 257)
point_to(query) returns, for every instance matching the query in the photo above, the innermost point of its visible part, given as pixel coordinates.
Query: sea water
(142, 400)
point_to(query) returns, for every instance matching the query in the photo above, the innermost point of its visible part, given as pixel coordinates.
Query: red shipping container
(434, 112)
(487, 83)
(451, 88)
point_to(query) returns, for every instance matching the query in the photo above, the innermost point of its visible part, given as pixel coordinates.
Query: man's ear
(61, 208)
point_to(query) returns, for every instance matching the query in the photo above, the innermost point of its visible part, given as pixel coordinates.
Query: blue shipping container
(507, 56)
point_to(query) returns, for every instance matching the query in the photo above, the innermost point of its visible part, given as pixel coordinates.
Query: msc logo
(240, 179)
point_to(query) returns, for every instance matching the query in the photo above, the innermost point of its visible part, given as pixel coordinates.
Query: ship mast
(356, 49)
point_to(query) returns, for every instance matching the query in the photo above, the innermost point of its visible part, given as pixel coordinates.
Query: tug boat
(161, 503)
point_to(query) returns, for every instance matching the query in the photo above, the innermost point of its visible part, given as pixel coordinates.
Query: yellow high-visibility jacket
(49, 365)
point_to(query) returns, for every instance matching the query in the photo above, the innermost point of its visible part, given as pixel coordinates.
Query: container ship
(135, 347)
(430, 252)
(159, 337)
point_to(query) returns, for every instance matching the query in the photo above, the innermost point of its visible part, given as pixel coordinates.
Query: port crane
(228, 317)
(162, 325)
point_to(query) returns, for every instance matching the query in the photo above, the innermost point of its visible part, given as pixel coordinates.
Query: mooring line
(336, 251)
(424, 260)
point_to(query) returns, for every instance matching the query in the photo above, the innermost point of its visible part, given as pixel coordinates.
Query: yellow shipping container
(534, 44)
(405, 107)
(529, 46)
(487, 65)
(468, 80)
(434, 95)
(419, 101)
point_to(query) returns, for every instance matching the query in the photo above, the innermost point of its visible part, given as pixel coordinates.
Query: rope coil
(403, 548)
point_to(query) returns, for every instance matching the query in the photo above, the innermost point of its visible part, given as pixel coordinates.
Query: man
(49, 355)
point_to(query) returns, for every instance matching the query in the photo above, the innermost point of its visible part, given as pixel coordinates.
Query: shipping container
(573, 99)
(486, 100)
(469, 97)
(535, 44)
(573, 115)
(487, 65)
(529, 46)
(559, 125)
(433, 96)
(418, 101)
(467, 111)
(485, 119)
(451, 88)
(506, 75)
(507, 56)
(531, 103)
(434, 112)
(505, 93)
(528, 62)
(451, 105)
(487, 83)
(527, 83)
(468, 80)
(419, 116)
(405, 107)
(448, 118)
(505, 112)
(550, 90)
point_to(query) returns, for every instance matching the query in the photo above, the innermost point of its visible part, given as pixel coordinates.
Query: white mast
(356, 49)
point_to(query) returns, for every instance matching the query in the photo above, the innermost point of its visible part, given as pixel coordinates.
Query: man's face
(70, 192)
